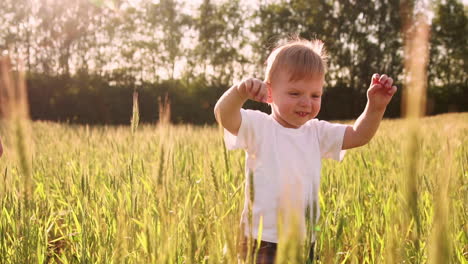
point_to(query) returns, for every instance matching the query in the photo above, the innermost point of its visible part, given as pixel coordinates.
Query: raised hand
(380, 91)
(254, 89)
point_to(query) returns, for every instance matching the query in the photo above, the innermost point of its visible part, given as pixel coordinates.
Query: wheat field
(173, 194)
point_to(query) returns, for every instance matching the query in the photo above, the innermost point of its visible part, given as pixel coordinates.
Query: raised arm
(379, 95)
(227, 109)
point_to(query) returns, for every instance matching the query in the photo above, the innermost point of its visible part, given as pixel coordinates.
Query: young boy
(284, 149)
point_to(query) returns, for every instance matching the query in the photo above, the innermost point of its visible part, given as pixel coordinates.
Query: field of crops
(172, 194)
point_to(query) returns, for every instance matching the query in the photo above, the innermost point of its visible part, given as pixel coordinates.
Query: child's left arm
(379, 95)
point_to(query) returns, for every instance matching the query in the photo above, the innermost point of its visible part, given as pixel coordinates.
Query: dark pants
(267, 252)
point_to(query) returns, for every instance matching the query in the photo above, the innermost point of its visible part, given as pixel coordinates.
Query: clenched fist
(254, 89)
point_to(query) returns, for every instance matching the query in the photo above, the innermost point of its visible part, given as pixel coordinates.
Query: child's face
(295, 103)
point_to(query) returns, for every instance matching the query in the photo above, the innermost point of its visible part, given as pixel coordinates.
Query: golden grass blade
(14, 112)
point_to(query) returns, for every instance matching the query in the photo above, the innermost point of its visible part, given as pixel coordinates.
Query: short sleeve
(330, 137)
(248, 131)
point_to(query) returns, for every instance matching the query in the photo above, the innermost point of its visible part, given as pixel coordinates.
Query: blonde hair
(302, 59)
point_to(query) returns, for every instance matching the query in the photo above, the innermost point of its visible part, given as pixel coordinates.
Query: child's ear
(269, 98)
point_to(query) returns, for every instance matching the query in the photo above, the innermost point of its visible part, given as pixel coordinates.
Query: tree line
(84, 58)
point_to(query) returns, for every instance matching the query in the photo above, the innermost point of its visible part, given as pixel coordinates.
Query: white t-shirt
(285, 164)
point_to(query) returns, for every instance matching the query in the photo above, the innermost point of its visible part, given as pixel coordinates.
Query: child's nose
(306, 102)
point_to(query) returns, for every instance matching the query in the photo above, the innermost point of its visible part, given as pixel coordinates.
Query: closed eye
(293, 93)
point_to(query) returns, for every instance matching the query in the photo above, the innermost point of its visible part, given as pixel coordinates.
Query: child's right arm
(227, 109)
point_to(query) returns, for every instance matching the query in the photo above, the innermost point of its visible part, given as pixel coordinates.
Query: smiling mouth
(302, 114)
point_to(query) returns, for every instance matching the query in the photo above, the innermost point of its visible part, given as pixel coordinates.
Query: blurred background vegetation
(84, 58)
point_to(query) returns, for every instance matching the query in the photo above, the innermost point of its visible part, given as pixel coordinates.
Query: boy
(284, 149)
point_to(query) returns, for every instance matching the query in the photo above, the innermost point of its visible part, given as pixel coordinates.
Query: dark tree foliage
(85, 58)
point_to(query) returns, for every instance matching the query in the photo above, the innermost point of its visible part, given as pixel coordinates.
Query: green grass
(173, 195)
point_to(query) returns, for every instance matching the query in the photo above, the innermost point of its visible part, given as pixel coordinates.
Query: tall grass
(414, 98)
(85, 209)
(15, 123)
